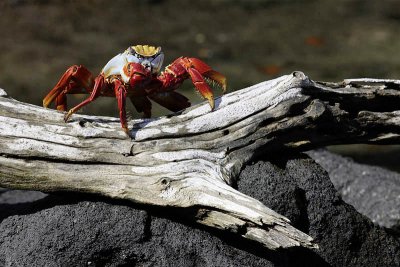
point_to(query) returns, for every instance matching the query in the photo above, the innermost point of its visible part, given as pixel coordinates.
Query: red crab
(136, 74)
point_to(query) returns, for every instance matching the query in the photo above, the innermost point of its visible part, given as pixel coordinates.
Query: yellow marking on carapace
(146, 50)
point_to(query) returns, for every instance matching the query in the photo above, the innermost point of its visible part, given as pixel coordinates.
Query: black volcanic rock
(82, 230)
(373, 191)
(300, 190)
(94, 232)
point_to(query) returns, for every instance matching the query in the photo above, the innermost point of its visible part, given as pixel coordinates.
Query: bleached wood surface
(190, 159)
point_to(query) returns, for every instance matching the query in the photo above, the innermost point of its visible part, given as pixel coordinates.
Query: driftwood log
(191, 159)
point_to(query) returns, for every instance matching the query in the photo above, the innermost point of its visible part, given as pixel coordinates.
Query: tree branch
(190, 159)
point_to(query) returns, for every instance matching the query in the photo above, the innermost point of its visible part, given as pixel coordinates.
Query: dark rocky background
(82, 230)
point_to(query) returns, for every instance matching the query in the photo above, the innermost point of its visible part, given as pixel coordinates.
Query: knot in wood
(299, 75)
(165, 182)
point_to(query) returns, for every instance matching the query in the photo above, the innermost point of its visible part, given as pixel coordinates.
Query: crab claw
(135, 74)
(201, 75)
(208, 73)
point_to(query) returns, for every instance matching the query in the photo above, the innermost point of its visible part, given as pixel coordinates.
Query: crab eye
(132, 58)
(157, 62)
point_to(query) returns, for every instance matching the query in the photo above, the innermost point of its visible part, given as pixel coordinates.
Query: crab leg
(142, 104)
(218, 78)
(61, 99)
(202, 86)
(120, 93)
(98, 86)
(61, 102)
(171, 100)
(77, 79)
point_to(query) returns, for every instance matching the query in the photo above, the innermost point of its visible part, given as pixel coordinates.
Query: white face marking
(131, 58)
(116, 64)
(152, 63)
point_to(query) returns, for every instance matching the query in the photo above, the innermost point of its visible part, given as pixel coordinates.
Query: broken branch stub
(190, 159)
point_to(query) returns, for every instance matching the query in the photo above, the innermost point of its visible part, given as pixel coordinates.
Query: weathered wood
(190, 159)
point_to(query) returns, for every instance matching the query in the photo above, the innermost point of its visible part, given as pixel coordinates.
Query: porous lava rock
(84, 230)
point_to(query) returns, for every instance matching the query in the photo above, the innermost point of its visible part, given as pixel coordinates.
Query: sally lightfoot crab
(136, 74)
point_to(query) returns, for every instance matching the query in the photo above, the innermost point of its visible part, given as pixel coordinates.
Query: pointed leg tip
(46, 103)
(66, 116)
(127, 132)
(211, 102)
(224, 88)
